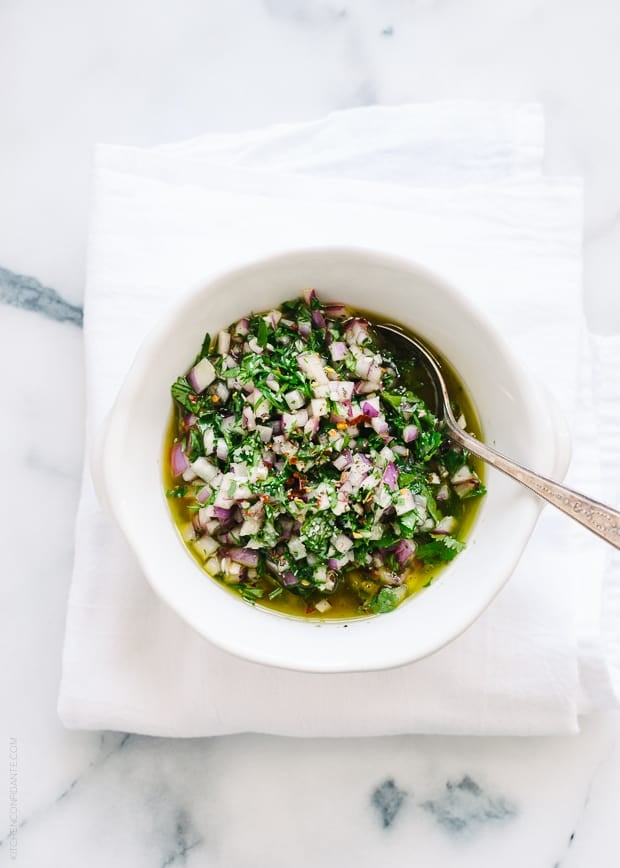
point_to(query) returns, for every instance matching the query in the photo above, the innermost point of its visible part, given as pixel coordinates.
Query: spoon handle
(598, 518)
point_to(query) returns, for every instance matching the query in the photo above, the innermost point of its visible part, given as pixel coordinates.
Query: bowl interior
(512, 414)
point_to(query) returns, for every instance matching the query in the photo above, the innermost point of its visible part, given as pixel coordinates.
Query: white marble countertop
(75, 73)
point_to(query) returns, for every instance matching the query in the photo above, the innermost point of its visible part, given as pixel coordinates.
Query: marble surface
(76, 73)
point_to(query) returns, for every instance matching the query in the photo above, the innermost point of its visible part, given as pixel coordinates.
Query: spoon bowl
(596, 517)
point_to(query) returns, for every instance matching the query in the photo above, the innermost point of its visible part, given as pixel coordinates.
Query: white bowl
(515, 417)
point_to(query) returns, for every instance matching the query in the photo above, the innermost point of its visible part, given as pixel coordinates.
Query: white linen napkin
(460, 192)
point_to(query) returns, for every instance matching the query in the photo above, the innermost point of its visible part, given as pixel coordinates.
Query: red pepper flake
(309, 609)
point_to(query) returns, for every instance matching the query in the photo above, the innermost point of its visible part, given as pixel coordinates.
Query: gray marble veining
(20, 290)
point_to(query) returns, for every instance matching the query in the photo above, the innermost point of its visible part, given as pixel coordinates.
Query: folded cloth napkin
(457, 187)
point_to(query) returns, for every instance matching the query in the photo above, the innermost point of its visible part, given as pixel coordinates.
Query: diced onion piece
(341, 390)
(356, 331)
(207, 545)
(463, 474)
(178, 460)
(371, 407)
(213, 566)
(309, 295)
(404, 502)
(335, 310)
(204, 469)
(338, 351)
(342, 543)
(248, 419)
(294, 399)
(265, 432)
(403, 551)
(201, 376)
(379, 424)
(297, 548)
(410, 433)
(322, 606)
(208, 439)
(204, 494)
(447, 525)
(223, 342)
(318, 320)
(312, 366)
(243, 327)
(247, 557)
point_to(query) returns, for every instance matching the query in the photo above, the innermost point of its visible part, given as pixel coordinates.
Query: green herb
(206, 346)
(184, 395)
(263, 333)
(394, 401)
(195, 446)
(275, 593)
(179, 491)
(249, 594)
(439, 550)
(386, 601)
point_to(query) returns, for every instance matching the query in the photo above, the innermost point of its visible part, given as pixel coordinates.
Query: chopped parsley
(307, 464)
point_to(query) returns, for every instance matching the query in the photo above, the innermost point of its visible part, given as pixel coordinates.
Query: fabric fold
(457, 187)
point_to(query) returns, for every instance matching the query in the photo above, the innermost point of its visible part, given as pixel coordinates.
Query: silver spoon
(600, 519)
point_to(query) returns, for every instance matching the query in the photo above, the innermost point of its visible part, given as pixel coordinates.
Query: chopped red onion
(223, 342)
(338, 350)
(341, 390)
(288, 579)
(222, 391)
(318, 320)
(443, 493)
(312, 366)
(445, 526)
(365, 388)
(265, 432)
(343, 461)
(463, 474)
(221, 449)
(178, 460)
(336, 310)
(201, 376)
(464, 488)
(390, 476)
(379, 424)
(272, 383)
(248, 419)
(301, 417)
(356, 330)
(312, 426)
(410, 433)
(188, 421)
(294, 399)
(304, 328)
(243, 327)
(403, 551)
(247, 557)
(309, 296)
(204, 494)
(222, 514)
(370, 409)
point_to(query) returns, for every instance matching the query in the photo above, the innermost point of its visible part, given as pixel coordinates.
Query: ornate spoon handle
(600, 519)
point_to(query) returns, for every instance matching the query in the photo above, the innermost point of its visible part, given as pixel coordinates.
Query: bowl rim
(109, 489)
